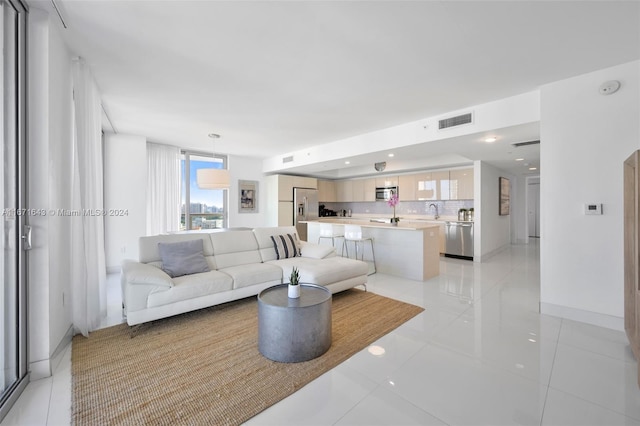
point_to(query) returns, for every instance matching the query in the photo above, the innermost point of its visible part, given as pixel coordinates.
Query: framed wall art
(505, 196)
(248, 196)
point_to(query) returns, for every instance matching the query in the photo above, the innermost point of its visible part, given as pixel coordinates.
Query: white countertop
(407, 226)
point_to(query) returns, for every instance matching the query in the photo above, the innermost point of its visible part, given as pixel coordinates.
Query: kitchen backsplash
(445, 208)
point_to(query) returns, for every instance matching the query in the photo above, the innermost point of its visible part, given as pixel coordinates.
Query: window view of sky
(210, 197)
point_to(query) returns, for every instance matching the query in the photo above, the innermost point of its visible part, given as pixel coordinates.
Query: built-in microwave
(383, 193)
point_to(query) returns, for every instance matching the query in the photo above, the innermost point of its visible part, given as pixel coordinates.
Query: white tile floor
(480, 354)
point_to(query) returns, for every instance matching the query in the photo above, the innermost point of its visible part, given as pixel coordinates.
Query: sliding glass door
(13, 349)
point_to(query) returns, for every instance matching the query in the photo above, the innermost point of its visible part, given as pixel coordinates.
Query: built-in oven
(383, 193)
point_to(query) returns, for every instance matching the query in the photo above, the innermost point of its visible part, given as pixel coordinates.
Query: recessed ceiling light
(347, 162)
(519, 159)
(491, 139)
(391, 155)
(533, 168)
(214, 135)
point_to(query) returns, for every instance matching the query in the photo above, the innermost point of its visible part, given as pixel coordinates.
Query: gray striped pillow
(286, 245)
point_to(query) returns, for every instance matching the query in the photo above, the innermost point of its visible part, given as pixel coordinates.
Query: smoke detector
(380, 166)
(609, 87)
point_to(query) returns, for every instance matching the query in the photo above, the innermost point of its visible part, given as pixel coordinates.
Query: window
(13, 300)
(201, 208)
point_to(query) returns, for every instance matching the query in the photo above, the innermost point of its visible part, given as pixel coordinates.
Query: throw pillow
(286, 246)
(183, 258)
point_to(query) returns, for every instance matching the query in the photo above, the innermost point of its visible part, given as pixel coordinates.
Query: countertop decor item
(294, 284)
(393, 202)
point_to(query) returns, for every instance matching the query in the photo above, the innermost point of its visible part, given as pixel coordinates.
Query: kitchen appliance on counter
(305, 204)
(459, 240)
(383, 193)
(325, 212)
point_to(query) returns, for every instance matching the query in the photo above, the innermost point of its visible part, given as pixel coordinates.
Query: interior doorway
(533, 207)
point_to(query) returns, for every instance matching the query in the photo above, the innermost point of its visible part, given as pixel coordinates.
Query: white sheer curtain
(87, 233)
(163, 189)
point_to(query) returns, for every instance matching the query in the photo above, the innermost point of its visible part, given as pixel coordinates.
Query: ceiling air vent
(459, 120)
(519, 144)
(287, 159)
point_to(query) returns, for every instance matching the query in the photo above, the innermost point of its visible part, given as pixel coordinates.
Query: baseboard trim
(45, 367)
(40, 369)
(594, 318)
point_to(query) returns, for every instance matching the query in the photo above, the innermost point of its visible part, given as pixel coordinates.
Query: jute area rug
(204, 367)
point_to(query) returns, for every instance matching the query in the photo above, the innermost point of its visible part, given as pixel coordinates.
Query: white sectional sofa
(229, 265)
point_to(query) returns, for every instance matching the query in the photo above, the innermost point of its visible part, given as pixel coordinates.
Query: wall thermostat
(593, 209)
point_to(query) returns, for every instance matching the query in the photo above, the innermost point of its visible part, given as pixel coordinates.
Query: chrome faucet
(436, 207)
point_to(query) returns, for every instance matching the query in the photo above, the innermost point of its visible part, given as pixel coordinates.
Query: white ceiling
(276, 76)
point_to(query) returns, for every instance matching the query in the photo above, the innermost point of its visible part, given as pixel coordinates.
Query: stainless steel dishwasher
(459, 240)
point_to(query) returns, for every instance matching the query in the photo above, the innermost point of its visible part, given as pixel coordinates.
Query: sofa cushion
(191, 286)
(286, 245)
(265, 244)
(235, 248)
(256, 273)
(317, 251)
(323, 271)
(148, 246)
(183, 258)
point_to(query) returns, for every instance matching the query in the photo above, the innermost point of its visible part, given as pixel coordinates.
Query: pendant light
(213, 178)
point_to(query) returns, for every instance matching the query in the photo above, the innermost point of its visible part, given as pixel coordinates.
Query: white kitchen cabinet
(285, 187)
(327, 191)
(441, 179)
(426, 187)
(305, 182)
(407, 187)
(387, 181)
(344, 190)
(461, 184)
(357, 190)
(369, 189)
(285, 213)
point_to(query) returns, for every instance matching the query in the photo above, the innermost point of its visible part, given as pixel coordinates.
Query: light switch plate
(593, 209)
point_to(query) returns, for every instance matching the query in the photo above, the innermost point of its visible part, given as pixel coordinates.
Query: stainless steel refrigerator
(305, 204)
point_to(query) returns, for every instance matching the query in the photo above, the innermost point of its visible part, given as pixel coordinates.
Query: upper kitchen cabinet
(407, 187)
(387, 181)
(441, 180)
(344, 190)
(461, 184)
(285, 187)
(369, 189)
(426, 187)
(305, 182)
(327, 191)
(363, 190)
(357, 190)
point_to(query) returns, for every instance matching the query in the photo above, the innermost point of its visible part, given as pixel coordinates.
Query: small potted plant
(294, 283)
(393, 202)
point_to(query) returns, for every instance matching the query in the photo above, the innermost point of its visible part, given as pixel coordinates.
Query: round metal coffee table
(294, 330)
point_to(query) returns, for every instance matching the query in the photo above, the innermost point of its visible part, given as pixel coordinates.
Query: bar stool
(327, 230)
(353, 233)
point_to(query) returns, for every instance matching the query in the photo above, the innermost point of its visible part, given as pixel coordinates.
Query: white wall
(246, 168)
(49, 187)
(585, 139)
(125, 180)
(494, 232)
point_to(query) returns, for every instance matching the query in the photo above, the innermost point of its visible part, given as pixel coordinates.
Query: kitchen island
(407, 250)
